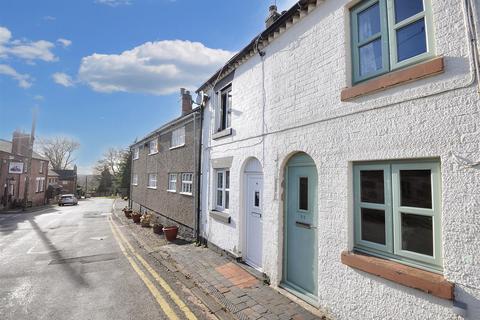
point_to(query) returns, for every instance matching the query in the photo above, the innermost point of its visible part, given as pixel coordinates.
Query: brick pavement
(222, 282)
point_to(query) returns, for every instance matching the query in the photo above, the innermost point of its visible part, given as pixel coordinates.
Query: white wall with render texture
(291, 102)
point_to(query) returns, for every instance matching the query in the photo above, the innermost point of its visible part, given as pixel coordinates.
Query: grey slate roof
(6, 146)
(65, 174)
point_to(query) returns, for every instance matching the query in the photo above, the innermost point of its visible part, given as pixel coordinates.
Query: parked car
(67, 199)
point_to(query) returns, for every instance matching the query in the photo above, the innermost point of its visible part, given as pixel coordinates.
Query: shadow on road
(56, 255)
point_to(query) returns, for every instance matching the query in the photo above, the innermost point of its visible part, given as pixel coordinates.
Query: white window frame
(41, 167)
(135, 179)
(136, 153)
(40, 184)
(178, 138)
(220, 112)
(187, 183)
(152, 181)
(153, 147)
(172, 182)
(224, 189)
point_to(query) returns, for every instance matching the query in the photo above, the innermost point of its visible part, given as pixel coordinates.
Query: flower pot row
(170, 232)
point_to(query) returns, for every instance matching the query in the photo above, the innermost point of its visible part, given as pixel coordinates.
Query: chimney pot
(273, 15)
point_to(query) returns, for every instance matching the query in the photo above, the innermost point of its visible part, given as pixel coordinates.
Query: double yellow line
(131, 254)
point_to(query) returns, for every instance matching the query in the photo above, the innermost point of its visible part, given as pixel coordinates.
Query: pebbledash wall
(289, 101)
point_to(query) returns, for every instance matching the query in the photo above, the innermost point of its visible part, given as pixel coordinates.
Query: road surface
(76, 263)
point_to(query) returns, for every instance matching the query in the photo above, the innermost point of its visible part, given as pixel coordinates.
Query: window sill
(220, 216)
(416, 72)
(172, 191)
(176, 147)
(151, 154)
(428, 282)
(153, 188)
(186, 194)
(221, 134)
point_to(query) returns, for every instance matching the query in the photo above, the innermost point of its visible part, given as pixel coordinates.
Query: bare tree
(111, 160)
(59, 151)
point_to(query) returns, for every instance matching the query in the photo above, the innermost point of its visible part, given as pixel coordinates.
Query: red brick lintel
(429, 282)
(415, 72)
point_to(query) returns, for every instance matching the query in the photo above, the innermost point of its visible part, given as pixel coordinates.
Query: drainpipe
(198, 174)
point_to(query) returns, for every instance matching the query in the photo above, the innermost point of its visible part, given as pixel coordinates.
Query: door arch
(253, 213)
(300, 262)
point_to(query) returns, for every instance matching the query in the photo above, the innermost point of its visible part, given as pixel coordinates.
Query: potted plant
(157, 228)
(136, 217)
(170, 233)
(127, 211)
(145, 220)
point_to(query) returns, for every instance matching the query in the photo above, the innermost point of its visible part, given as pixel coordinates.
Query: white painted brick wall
(305, 70)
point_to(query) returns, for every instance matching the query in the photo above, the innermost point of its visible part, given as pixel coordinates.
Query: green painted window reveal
(397, 211)
(389, 34)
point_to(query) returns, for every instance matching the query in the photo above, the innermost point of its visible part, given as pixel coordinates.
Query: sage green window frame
(393, 225)
(388, 36)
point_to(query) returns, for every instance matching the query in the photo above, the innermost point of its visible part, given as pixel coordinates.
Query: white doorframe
(253, 231)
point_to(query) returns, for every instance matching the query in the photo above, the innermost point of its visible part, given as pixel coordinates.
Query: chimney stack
(272, 16)
(186, 101)
(20, 143)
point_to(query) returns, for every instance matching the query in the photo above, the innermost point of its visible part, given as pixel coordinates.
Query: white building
(339, 152)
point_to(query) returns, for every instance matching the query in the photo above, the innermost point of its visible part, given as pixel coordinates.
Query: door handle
(257, 214)
(304, 225)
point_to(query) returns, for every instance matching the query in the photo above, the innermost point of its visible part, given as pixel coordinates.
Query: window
(388, 35)
(303, 194)
(223, 114)
(40, 184)
(172, 182)
(135, 179)
(397, 211)
(41, 167)
(136, 153)
(64, 183)
(153, 146)
(178, 138)
(187, 182)
(223, 190)
(152, 181)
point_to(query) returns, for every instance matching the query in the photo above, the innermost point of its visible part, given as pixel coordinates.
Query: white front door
(254, 220)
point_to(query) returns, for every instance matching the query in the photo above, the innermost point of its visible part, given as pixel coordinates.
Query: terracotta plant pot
(157, 228)
(136, 217)
(170, 233)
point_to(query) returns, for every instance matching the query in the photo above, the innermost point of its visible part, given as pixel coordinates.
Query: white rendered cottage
(339, 152)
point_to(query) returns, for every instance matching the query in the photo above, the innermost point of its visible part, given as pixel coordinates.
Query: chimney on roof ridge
(272, 16)
(186, 101)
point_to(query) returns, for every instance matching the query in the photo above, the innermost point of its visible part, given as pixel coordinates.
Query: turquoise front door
(300, 241)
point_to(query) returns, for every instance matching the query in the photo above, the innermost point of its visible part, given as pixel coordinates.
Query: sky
(105, 72)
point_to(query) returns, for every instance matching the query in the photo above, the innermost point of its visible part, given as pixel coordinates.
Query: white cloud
(113, 3)
(24, 80)
(39, 97)
(154, 67)
(25, 49)
(49, 18)
(64, 42)
(63, 79)
(38, 50)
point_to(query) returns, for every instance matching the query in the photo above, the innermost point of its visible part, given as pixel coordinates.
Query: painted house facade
(340, 157)
(165, 166)
(14, 173)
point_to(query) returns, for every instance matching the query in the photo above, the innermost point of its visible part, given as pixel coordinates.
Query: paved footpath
(229, 291)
